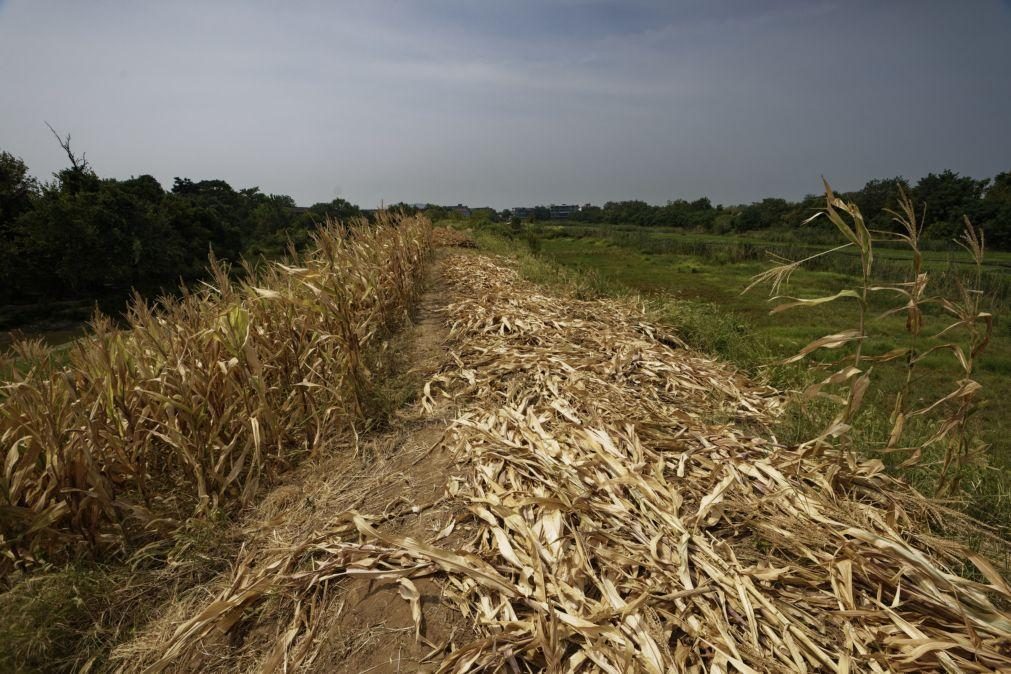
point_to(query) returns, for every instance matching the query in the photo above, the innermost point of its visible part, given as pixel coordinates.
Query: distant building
(563, 211)
(555, 211)
(461, 210)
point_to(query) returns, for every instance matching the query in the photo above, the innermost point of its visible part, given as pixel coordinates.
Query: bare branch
(78, 164)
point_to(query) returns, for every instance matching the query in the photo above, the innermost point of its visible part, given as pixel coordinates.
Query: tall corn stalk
(198, 403)
(964, 339)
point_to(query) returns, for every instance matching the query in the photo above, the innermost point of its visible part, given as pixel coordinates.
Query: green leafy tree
(338, 209)
(948, 197)
(995, 211)
(627, 212)
(17, 188)
(489, 214)
(879, 196)
(541, 213)
(764, 214)
(590, 213)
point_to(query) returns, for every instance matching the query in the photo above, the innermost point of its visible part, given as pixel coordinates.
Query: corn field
(199, 402)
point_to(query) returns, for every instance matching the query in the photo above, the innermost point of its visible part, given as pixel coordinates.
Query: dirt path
(359, 624)
(375, 629)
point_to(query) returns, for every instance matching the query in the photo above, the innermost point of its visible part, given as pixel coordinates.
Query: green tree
(590, 213)
(876, 196)
(338, 209)
(995, 212)
(17, 188)
(948, 196)
(541, 213)
(628, 212)
(764, 214)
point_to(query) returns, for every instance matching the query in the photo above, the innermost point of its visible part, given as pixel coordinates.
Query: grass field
(697, 284)
(892, 260)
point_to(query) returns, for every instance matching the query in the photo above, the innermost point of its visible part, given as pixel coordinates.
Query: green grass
(66, 618)
(700, 295)
(892, 262)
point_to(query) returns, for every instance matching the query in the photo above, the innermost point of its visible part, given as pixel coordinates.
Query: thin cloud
(511, 103)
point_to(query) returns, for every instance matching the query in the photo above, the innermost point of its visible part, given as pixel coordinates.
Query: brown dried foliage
(620, 529)
(198, 403)
(447, 237)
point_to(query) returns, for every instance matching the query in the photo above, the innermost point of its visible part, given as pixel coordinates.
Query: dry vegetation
(450, 238)
(618, 502)
(620, 518)
(198, 403)
(943, 426)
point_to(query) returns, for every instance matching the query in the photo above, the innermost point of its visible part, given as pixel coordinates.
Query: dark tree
(17, 188)
(876, 196)
(947, 196)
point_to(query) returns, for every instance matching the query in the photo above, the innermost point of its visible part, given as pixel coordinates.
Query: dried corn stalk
(447, 237)
(195, 405)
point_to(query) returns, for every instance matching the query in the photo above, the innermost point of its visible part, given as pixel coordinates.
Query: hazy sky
(511, 102)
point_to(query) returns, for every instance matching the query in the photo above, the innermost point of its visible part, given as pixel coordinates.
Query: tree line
(944, 197)
(80, 236)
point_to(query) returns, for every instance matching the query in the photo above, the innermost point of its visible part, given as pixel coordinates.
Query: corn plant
(199, 402)
(964, 339)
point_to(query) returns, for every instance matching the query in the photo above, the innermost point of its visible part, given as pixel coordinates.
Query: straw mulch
(447, 237)
(625, 531)
(622, 520)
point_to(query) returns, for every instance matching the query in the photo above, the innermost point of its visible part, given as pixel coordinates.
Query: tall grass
(200, 401)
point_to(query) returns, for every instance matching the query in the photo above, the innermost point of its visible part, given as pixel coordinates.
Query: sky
(493, 103)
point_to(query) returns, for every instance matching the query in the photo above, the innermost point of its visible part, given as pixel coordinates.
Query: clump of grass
(715, 332)
(51, 620)
(67, 618)
(199, 402)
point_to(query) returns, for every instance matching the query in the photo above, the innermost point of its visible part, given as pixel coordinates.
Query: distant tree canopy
(80, 236)
(17, 188)
(944, 197)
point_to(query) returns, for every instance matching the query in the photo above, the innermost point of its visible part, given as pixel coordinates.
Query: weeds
(68, 618)
(891, 263)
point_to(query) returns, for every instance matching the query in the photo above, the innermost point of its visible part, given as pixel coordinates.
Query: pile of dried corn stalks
(449, 237)
(620, 526)
(200, 402)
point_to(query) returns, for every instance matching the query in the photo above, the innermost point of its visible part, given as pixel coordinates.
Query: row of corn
(196, 403)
